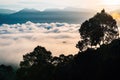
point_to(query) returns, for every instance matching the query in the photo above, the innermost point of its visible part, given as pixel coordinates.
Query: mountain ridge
(37, 16)
(7, 11)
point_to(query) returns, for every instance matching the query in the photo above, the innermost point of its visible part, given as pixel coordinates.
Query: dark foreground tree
(98, 30)
(36, 65)
(39, 56)
(41, 65)
(7, 73)
(100, 64)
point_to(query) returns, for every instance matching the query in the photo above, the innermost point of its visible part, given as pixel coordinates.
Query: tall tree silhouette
(36, 65)
(38, 56)
(100, 29)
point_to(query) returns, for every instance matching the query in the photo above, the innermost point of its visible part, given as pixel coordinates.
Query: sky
(43, 4)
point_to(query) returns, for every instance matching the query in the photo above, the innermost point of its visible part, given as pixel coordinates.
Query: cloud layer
(19, 39)
(30, 27)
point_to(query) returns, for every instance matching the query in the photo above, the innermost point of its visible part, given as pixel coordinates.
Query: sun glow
(111, 2)
(116, 16)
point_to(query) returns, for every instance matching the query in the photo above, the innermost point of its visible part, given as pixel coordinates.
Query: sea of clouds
(19, 39)
(30, 27)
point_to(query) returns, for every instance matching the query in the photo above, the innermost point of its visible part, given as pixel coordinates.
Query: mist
(19, 39)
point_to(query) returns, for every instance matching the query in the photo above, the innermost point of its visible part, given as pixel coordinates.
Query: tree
(38, 56)
(36, 65)
(7, 72)
(40, 64)
(98, 30)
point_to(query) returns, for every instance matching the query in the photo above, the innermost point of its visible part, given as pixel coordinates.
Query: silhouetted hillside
(6, 11)
(100, 64)
(36, 16)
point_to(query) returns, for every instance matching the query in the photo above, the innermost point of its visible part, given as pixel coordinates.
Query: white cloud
(30, 27)
(19, 39)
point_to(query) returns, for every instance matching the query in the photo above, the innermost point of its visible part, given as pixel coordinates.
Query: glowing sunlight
(111, 2)
(116, 16)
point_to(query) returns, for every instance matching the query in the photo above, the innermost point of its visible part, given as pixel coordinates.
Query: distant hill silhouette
(49, 16)
(26, 11)
(6, 11)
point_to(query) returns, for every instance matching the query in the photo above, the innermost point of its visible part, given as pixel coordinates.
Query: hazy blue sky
(42, 4)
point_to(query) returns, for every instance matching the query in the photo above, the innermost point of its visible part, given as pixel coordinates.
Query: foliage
(98, 30)
(40, 64)
(102, 63)
(6, 72)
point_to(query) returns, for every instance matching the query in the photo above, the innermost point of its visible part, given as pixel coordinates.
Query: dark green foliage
(40, 64)
(7, 73)
(36, 65)
(38, 56)
(83, 44)
(100, 64)
(100, 29)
